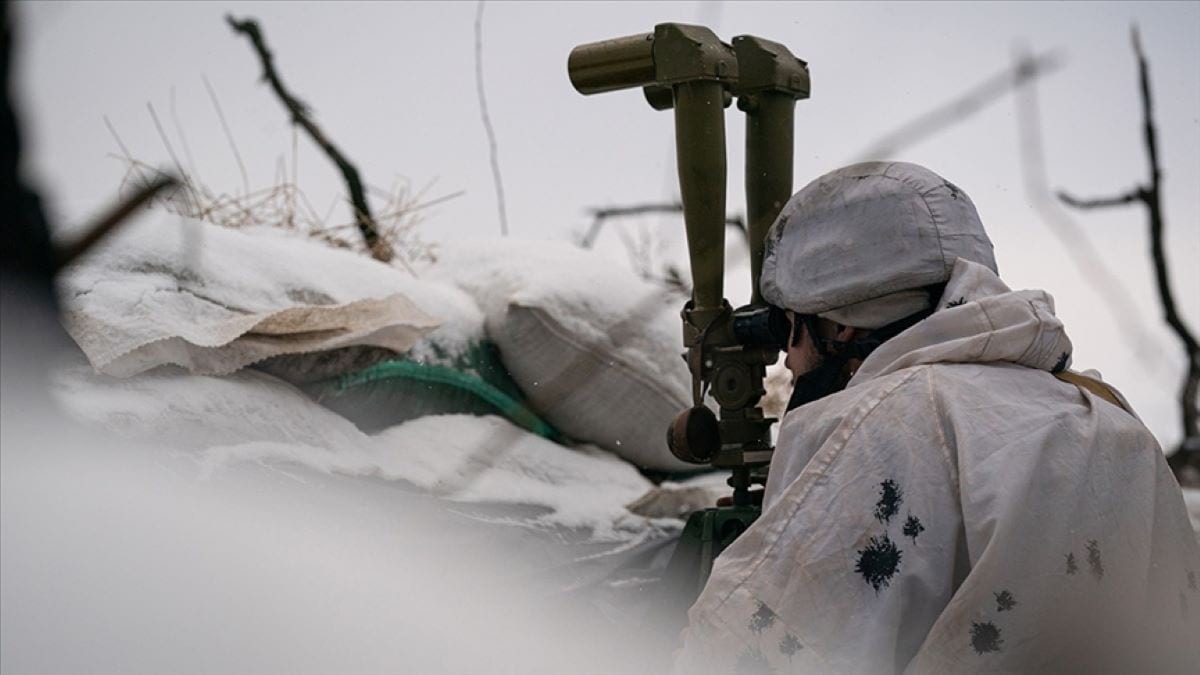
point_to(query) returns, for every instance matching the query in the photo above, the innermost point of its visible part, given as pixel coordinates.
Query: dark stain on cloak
(1005, 601)
(789, 646)
(752, 662)
(890, 498)
(985, 637)
(762, 619)
(878, 562)
(913, 528)
(1093, 558)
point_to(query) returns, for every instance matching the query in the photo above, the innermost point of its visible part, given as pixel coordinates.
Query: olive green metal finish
(769, 66)
(609, 65)
(684, 53)
(700, 156)
(707, 533)
(769, 148)
(688, 69)
(770, 81)
(697, 70)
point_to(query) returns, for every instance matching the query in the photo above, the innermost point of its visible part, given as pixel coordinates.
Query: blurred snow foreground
(229, 521)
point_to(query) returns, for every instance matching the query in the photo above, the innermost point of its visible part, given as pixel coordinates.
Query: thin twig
(124, 149)
(115, 216)
(162, 135)
(421, 206)
(602, 214)
(493, 151)
(187, 150)
(212, 96)
(295, 175)
(378, 246)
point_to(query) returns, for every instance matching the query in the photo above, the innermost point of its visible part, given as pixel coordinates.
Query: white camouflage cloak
(957, 508)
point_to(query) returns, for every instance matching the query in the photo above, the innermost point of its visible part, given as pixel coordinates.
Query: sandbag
(594, 348)
(214, 300)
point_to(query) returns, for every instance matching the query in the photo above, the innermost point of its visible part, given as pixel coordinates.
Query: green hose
(505, 404)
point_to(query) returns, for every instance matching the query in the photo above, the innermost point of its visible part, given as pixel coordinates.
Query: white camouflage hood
(865, 232)
(978, 320)
(958, 509)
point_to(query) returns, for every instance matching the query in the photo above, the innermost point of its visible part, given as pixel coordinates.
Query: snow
(167, 272)
(585, 291)
(119, 558)
(251, 417)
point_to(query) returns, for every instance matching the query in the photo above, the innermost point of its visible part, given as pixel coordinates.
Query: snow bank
(173, 291)
(253, 417)
(117, 558)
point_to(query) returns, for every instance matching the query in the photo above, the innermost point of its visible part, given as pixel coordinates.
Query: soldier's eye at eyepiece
(762, 326)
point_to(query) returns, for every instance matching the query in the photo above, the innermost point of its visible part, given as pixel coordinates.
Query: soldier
(945, 495)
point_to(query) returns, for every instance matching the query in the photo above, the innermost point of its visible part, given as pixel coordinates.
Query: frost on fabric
(878, 562)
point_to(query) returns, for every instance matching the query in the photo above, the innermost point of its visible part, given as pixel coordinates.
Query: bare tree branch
(602, 214)
(1126, 312)
(958, 109)
(69, 253)
(379, 247)
(493, 149)
(1100, 203)
(1188, 453)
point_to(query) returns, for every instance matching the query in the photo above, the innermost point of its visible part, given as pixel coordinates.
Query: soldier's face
(802, 353)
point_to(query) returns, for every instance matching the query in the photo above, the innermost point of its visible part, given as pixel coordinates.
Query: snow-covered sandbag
(253, 417)
(214, 300)
(594, 348)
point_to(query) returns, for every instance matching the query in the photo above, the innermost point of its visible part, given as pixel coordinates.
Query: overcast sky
(394, 86)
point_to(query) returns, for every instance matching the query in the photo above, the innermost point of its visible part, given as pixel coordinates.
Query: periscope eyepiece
(762, 326)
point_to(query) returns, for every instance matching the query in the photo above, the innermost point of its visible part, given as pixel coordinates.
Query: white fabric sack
(594, 348)
(959, 509)
(214, 300)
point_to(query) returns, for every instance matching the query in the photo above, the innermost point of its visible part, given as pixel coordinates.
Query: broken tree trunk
(1185, 462)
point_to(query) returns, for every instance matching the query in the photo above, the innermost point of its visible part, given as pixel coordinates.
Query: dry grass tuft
(284, 205)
